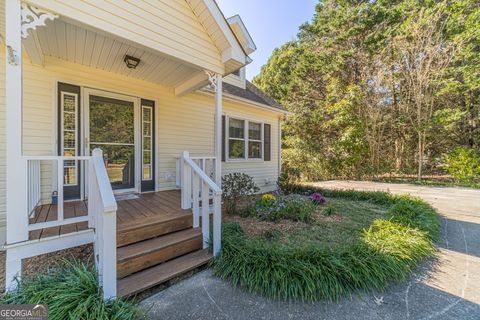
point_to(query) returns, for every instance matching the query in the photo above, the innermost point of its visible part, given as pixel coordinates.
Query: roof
(252, 93)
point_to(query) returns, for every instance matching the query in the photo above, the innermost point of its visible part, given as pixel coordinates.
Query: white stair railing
(197, 188)
(102, 208)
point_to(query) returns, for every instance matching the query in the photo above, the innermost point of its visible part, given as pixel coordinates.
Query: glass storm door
(111, 126)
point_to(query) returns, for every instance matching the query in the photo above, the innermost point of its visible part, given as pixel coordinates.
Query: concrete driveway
(447, 288)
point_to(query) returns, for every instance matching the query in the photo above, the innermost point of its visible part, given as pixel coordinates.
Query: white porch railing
(206, 163)
(197, 188)
(38, 193)
(102, 207)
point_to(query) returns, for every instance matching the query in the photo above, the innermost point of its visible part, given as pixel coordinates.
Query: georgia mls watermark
(23, 312)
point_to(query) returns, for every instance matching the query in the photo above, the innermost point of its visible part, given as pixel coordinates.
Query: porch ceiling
(95, 48)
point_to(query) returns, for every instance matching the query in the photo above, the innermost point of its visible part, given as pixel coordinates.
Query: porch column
(218, 130)
(16, 175)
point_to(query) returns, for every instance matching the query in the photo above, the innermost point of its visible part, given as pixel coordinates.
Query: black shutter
(266, 142)
(223, 138)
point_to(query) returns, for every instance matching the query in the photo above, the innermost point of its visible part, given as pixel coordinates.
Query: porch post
(16, 175)
(218, 130)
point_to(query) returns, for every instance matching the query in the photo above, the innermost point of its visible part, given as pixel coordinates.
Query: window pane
(146, 129)
(147, 114)
(69, 140)
(236, 149)
(147, 172)
(70, 176)
(120, 163)
(236, 128)
(146, 157)
(254, 131)
(69, 102)
(69, 121)
(254, 149)
(146, 143)
(111, 120)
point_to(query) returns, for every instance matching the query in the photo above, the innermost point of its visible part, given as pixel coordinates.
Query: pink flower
(318, 198)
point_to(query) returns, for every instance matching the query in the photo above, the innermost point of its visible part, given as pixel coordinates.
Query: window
(69, 102)
(245, 139)
(147, 134)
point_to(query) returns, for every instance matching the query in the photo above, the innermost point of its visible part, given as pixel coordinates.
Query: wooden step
(153, 276)
(141, 255)
(151, 227)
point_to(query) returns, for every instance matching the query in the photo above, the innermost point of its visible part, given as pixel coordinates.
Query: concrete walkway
(447, 288)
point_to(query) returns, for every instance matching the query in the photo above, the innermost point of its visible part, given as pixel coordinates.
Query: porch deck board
(130, 211)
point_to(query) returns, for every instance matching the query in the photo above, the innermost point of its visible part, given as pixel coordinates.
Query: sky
(271, 23)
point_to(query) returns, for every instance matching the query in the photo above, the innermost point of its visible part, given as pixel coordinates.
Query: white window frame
(62, 136)
(246, 139)
(150, 150)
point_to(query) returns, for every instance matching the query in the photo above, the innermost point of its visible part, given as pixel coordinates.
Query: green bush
(288, 207)
(463, 164)
(234, 186)
(71, 291)
(387, 251)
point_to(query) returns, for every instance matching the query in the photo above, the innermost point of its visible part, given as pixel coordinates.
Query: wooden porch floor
(131, 211)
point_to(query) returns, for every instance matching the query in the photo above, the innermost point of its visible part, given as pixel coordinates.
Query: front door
(111, 125)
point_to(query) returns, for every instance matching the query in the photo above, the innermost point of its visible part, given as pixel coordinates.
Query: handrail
(195, 191)
(104, 186)
(212, 185)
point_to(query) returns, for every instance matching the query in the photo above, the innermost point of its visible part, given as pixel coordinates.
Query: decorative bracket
(212, 78)
(33, 17)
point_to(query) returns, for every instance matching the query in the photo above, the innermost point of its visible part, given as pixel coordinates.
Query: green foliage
(330, 210)
(388, 250)
(463, 164)
(268, 200)
(378, 87)
(71, 291)
(236, 185)
(291, 207)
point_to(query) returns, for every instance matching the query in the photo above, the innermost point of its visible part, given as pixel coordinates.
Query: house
(118, 119)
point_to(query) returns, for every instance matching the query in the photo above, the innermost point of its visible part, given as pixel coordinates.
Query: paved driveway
(447, 288)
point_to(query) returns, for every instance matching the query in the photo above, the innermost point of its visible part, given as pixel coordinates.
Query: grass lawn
(343, 228)
(357, 241)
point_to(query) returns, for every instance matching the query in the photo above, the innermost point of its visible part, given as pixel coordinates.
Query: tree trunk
(420, 156)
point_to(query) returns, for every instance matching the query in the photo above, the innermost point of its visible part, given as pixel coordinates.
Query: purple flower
(318, 198)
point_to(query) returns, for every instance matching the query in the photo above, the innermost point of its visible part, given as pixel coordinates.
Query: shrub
(387, 251)
(290, 207)
(463, 164)
(71, 291)
(234, 186)
(268, 200)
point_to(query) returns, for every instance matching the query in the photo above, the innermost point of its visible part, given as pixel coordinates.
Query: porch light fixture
(131, 62)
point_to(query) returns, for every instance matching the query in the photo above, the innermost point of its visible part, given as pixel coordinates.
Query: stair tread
(146, 221)
(158, 274)
(155, 244)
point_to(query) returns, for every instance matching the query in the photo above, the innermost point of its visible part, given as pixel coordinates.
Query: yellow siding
(167, 26)
(185, 123)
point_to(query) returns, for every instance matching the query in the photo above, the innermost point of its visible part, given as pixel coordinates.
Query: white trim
(246, 139)
(151, 122)
(37, 247)
(248, 45)
(62, 134)
(251, 103)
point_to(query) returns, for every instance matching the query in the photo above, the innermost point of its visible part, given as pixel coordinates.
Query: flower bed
(330, 260)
